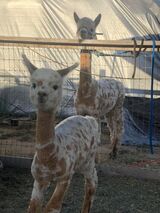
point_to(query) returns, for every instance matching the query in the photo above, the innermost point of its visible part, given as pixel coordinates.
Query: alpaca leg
(115, 137)
(55, 203)
(112, 129)
(90, 189)
(115, 124)
(36, 201)
(99, 125)
(114, 149)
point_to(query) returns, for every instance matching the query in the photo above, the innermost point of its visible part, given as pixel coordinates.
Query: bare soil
(115, 194)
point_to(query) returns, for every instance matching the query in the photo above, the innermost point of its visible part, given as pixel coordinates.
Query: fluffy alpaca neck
(45, 136)
(45, 132)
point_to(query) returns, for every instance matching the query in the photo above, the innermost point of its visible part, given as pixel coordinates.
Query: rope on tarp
(136, 54)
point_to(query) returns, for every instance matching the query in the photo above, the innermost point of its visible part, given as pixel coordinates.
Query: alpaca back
(102, 97)
(79, 138)
(109, 93)
(77, 129)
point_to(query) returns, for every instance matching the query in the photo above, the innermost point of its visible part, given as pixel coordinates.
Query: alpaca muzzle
(42, 97)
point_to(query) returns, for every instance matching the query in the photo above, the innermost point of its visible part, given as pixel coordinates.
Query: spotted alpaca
(61, 150)
(102, 99)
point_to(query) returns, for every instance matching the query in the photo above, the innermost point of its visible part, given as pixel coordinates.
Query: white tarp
(121, 19)
(54, 18)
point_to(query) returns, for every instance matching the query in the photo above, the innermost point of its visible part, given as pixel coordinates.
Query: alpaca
(62, 150)
(102, 99)
(86, 28)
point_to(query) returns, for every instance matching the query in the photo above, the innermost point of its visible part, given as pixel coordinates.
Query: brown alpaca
(62, 150)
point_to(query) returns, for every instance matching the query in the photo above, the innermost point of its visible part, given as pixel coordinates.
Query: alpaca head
(46, 85)
(86, 27)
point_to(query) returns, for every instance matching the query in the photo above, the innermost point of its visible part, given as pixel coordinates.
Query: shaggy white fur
(61, 151)
(102, 99)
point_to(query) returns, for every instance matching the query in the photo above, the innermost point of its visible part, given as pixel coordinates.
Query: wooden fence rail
(114, 45)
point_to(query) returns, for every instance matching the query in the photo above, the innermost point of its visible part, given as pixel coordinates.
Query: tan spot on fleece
(44, 154)
(34, 206)
(86, 148)
(62, 165)
(40, 83)
(71, 167)
(56, 200)
(44, 128)
(68, 147)
(92, 142)
(43, 177)
(89, 192)
(45, 134)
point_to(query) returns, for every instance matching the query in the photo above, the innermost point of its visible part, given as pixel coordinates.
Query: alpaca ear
(97, 20)
(64, 72)
(76, 18)
(31, 68)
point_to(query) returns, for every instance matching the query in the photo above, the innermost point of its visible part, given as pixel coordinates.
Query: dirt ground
(114, 194)
(121, 193)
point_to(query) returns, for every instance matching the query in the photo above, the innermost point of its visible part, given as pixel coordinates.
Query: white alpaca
(102, 99)
(86, 28)
(62, 150)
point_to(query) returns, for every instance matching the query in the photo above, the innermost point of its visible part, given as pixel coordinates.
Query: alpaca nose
(83, 33)
(42, 97)
(42, 94)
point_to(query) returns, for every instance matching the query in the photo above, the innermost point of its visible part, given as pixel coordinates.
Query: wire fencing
(17, 126)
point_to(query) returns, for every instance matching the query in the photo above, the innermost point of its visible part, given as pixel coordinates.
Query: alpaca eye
(55, 87)
(33, 85)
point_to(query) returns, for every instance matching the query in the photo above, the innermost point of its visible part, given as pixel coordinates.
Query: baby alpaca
(102, 99)
(62, 150)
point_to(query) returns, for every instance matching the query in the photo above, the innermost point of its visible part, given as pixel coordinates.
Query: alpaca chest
(98, 105)
(85, 102)
(83, 108)
(48, 169)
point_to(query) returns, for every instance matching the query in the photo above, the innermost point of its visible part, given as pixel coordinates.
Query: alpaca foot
(52, 210)
(113, 154)
(34, 207)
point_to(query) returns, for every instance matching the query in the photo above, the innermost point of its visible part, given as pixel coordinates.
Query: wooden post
(85, 67)
(85, 94)
(85, 61)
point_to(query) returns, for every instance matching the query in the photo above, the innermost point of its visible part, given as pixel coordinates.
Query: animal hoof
(113, 155)
(34, 207)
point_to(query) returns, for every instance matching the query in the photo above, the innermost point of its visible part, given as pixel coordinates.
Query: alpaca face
(46, 89)
(86, 27)
(46, 85)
